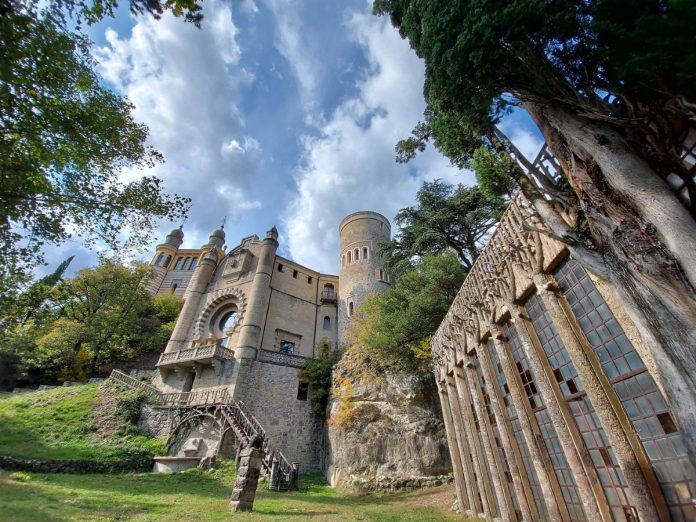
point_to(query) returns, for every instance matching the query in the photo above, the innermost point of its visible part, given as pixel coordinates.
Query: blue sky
(275, 112)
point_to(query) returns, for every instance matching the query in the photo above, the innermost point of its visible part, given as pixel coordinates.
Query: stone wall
(270, 393)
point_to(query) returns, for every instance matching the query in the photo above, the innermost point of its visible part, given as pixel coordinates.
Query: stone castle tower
(361, 270)
(250, 320)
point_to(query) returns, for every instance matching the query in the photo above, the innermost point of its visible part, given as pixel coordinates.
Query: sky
(275, 112)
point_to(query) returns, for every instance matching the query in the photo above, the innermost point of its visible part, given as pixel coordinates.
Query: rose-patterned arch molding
(213, 302)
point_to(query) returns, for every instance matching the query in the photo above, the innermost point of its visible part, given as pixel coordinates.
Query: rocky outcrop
(384, 429)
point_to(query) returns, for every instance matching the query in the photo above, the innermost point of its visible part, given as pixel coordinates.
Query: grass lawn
(60, 424)
(195, 495)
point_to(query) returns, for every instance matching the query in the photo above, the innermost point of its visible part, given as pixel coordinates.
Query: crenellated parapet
(552, 405)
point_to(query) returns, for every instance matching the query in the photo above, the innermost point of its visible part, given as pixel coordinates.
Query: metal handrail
(134, 383)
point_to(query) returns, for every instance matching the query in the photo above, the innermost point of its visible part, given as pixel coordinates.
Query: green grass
(59, 424)
(203, 496)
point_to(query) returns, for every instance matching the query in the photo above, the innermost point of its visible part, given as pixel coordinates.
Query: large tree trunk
(647, 241)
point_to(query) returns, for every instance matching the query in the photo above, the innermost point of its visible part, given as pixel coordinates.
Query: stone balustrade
(198, 354)
(285, 359)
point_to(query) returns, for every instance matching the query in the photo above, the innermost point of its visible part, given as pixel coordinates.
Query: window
(328, 291)
(327, 323)
(177, 266)
(365, 256)
(350, 309)
(294, 274)
(159, 259)
(167, 261)
(349, 260)
(228, 321)
(379, 274)
(357, 254)
(302, 391)
(309, 280)
(186, 262)
(286, 347)
(280, 267)
(193, 263)
(173, 288)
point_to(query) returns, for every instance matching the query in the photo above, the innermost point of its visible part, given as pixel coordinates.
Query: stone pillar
(244, 491)
(459, 428)
(197, 287)
(532, 436)
(578, 458)
(514, 459)
(490, 451)
(460, 481)
(474, 445)
(254, 315)
(639, 493)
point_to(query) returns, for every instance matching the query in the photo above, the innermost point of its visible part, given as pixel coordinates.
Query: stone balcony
(208, 354)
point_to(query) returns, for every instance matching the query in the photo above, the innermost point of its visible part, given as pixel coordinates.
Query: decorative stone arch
(214, 302)
(187, 418)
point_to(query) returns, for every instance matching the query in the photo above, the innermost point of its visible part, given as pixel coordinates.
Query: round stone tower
(361, 270)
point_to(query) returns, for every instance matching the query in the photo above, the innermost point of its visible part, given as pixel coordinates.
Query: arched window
(328, 291)
(193, 263)
(350, 309)
(159, 259)
(228, 321)
(365, 256)
(167, 261)
(357, 254)
(349, 257)
(177, 265)
(186, 263)
(327, 323)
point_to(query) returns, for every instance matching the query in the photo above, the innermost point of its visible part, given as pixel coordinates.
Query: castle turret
(250, 332)
(361, 269)
(164, 256)
(211, 253)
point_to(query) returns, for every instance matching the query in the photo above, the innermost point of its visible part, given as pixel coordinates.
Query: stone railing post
(248, 473)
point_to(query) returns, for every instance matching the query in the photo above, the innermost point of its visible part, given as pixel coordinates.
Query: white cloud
(184, 82)
(249, 7)
(351, 166)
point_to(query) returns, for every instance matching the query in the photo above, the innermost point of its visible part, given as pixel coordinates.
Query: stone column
(530, 430)
(489, 449)
(460, 481)
(197, 287)
(476, 450)
(514, 459)
(244, 491)
(578, 458)
(250, 331)
(464, 452)
(639, 492)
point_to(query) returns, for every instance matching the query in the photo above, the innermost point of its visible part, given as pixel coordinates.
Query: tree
(445, 218)
(395, 327)
(64, 138)
(611, 86)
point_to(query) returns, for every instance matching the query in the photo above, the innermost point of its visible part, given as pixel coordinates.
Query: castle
(250, 319)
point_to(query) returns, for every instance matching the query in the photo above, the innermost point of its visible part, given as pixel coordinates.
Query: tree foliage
(64, 139)
(446, 217)
(317, 374)
(99, 318)
(395, 327)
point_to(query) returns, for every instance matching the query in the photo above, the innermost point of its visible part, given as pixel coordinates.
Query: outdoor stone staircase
(229, 413)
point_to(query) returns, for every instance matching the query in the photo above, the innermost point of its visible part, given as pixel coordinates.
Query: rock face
(384, 430)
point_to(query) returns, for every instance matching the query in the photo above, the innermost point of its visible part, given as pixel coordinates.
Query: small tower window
(294, 274)
(302, 391)
(365, 253)
(350, 309)
(280, 267)
(159, 259)
(167, 261)
(327, 323)
(177, 265)
(309, 280)
(193, 263)
(349, 260)
(357, 254)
